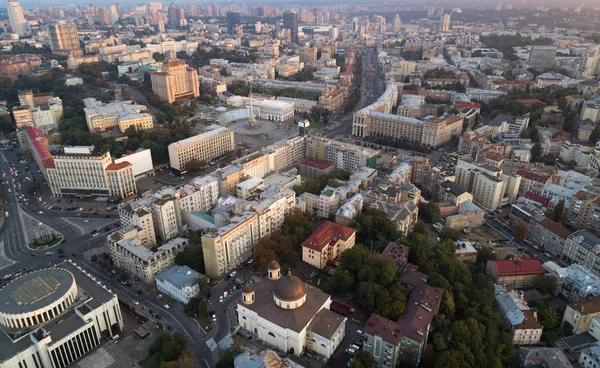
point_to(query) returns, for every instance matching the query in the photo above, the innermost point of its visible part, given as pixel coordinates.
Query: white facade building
(54, 316)
(293, 317)
(180, 282)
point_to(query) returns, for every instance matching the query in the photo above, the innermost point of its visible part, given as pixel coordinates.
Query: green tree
(546, 284)
(449, 233)
(420, 228)
(521, 231)
(193, 255)
(430, 212)
(363, 359)
(536, 151)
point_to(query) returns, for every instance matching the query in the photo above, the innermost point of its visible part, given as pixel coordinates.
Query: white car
(41, 212)
(136, 302)
(232, 273)
(167, 306)
(159, 296)
(221, 299)
(214, 318)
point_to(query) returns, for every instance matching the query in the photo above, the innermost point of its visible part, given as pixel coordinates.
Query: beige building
(84, 171)
(293, 317)
(231, 245)
(130, 252)
(215, 142)
(432, 132)
(121, 115)
(490, 187)
(64, 39)
(161, 213)
(327, 244)
(175, 81)
(584, 207)
(308, 54)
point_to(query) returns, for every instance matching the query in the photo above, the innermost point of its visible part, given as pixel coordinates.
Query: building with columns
(52, 317)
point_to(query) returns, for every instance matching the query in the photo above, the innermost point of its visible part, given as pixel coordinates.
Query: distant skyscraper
(431, 11)
(445, 23)
(172, 12)
(63, 38)
(103, 17)
(290, 21)
(397, 22)
(234, 19)
(113, 14)
(16, 18)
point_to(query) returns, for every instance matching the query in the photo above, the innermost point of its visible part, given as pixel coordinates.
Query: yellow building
(206, 146)
(175, 81)
(122, 115)
(327, 244)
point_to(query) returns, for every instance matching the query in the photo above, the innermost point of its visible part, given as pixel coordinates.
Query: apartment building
(121, 115)
(390, 341)
(64, 39)
(215, 142)
(231, 245)
(161, 213)
(581, 314)
(130, 252)
(491, 188)
(548, 235)
(584, 207)
(84, 171)
(175, 81)
(532, 182)
(583, 248)
(343, 155)
(238, 226)
(327, 243)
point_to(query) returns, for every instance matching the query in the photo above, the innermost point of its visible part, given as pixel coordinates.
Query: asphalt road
(16, 232)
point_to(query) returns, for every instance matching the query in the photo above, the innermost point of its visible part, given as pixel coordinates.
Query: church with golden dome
(290, 315)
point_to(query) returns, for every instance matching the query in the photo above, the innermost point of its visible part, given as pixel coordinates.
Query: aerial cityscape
(300, 185)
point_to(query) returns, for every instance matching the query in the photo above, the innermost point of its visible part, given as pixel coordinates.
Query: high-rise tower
(290, 21)
(18, 23)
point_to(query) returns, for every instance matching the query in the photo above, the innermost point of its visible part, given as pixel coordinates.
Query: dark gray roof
(326, 323)
(294, 319)
(34, 291)
(453, 188)
(89, 293)
(499, 119)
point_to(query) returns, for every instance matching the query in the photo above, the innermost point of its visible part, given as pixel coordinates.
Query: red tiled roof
(554, 227)
(588, 306)
(395, 252)
(315, 162)
(37, 138)
(529, 101)
(537, 198)
(532, 176)
(326, 233)
(119, 166)
(523, 266)
(49, 163)
(422, 306)
(494, 156)
(388, 330)
(467, 105)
